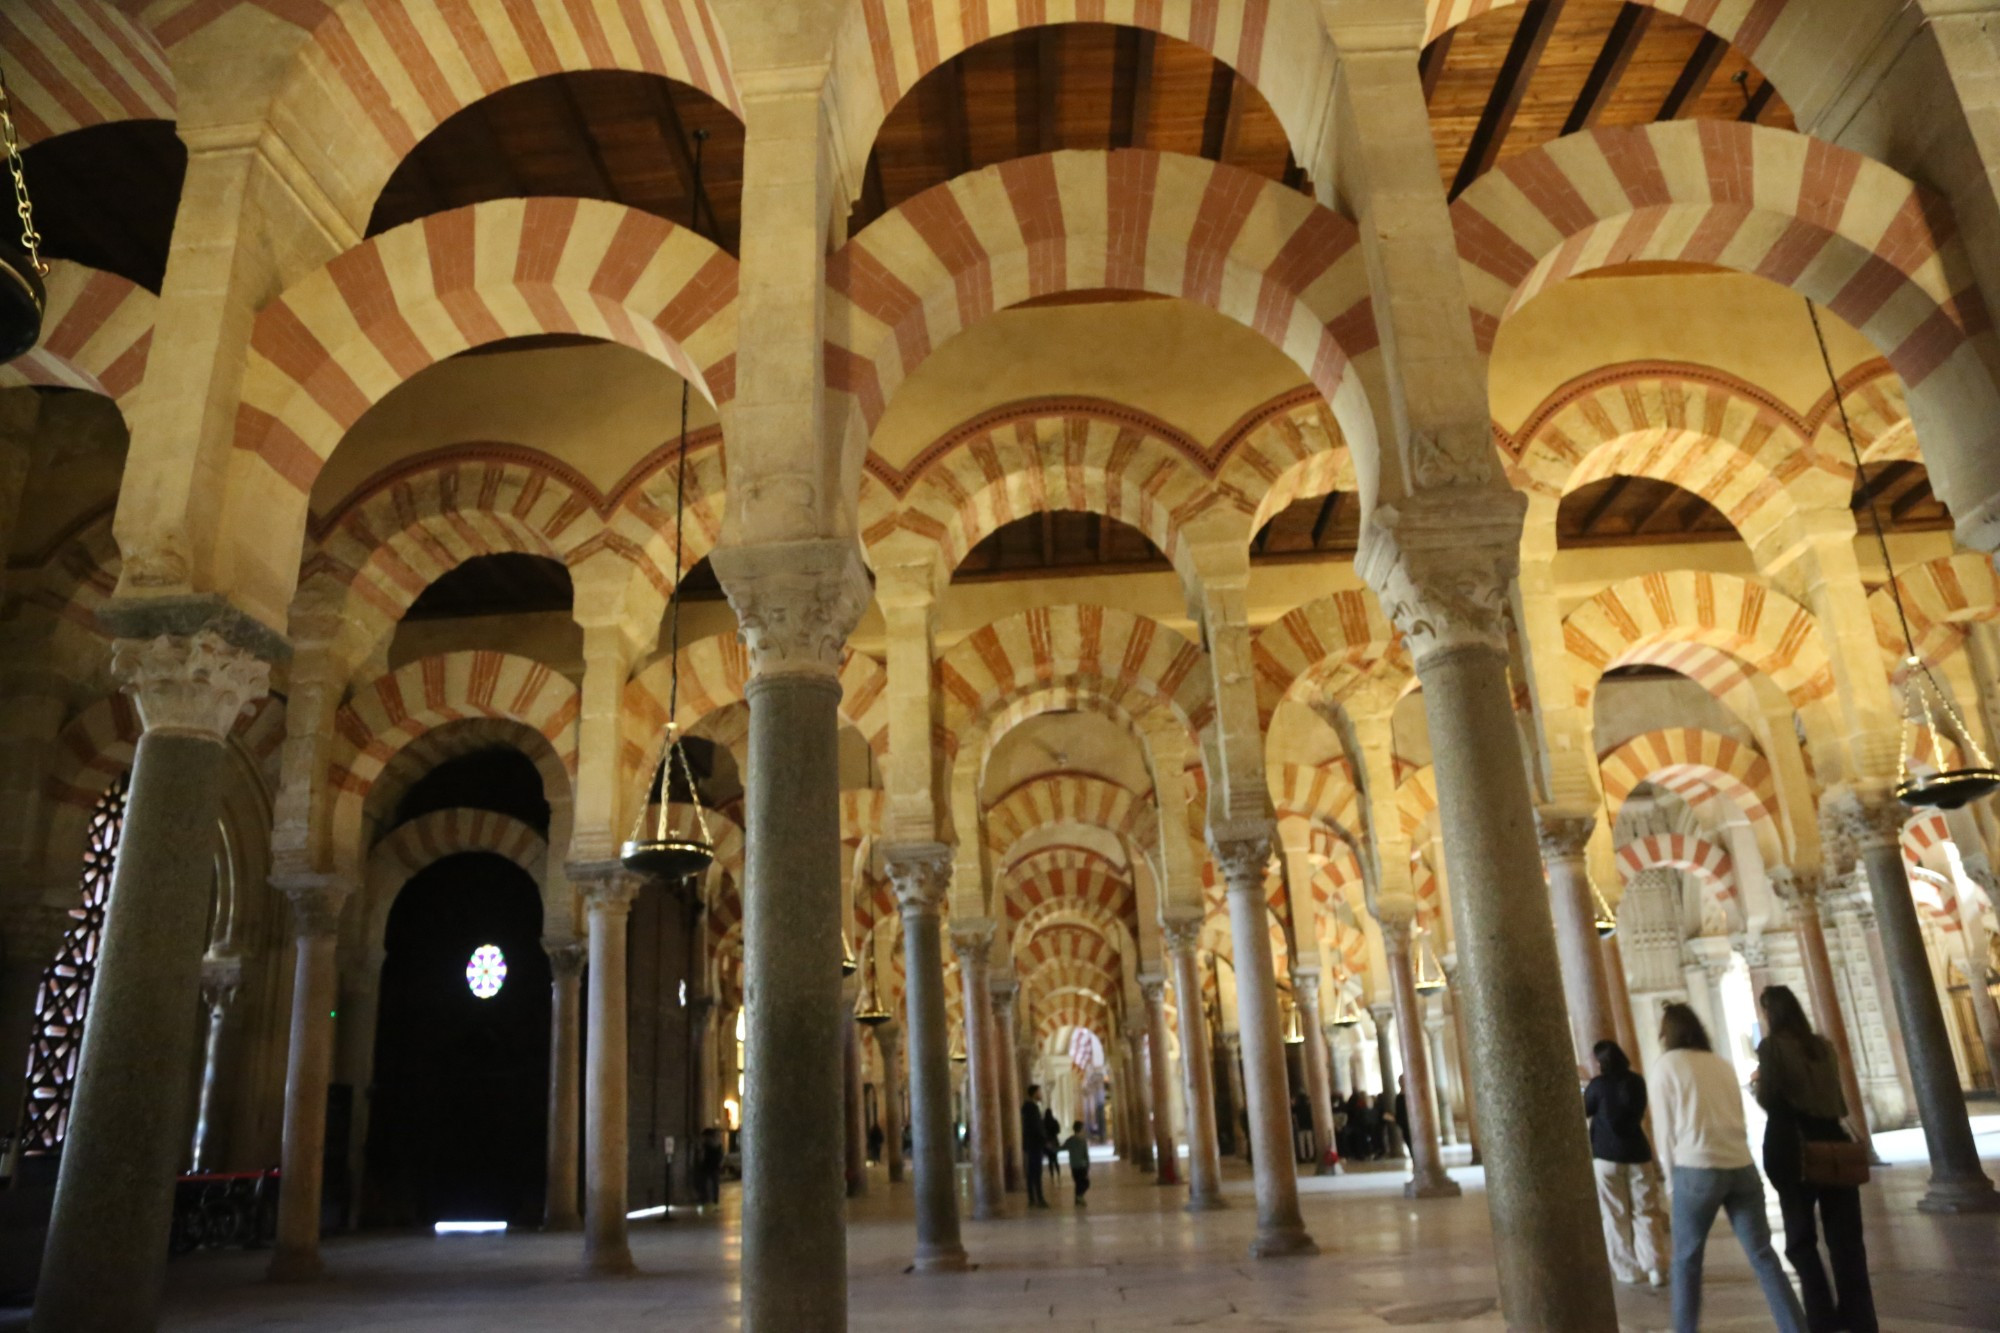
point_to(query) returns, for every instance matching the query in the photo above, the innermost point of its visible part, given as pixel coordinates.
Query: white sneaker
(1656, 1278)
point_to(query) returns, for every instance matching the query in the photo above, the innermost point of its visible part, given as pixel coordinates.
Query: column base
(1330, 1169)
(951, 1260)
(1441, 1186)
(562, 1224)
(1206, 1203)
(857, 1188)
(896, 1174)
(1960, 1196)
(611, 1263)
(1282, 1243)
(988, 1212)
(293, 1266)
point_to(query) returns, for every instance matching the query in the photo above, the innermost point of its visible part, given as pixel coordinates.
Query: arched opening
(106, 196)
(1628, 510)
(1059, 540)
(497, 778)
(505, 583)
(458, 1116)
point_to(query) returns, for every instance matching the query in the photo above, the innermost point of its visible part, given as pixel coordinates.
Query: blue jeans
(1700, 1193)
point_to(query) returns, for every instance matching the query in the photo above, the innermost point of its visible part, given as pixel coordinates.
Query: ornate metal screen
(63, 1002)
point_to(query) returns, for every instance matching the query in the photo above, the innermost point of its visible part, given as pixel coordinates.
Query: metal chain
(31, 240)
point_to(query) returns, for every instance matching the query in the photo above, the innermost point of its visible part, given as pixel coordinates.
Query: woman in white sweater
(1699, 1132)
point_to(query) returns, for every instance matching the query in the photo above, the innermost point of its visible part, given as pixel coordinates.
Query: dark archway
(458, 1121)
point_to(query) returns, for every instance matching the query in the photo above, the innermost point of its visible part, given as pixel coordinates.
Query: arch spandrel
(1942, 600)
(97, 331)
(83, 64)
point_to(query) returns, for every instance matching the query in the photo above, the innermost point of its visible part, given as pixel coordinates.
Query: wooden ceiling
(106, 197)
(1633, 511)
(509, 583)
(1516, 78)
(1071, 85)
(1327, 524)
(1065, 542)
(604, 134)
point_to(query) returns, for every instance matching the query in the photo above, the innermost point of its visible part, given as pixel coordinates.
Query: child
(1079, 1161)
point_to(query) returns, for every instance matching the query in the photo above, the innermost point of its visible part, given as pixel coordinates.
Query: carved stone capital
(1003, 987)
(796, 602)
(1154, 989)
(566, 959)
(1397, 930)
(607, 886)
(921, 874)
(316, 902)
(1443, 562)
(1183, 934)
(1865, 820)
(221, 981)
(1797, 889)
(972, 941)
(1564, 833)
(1752, 948)
(1305, 985)
(1242, 853)
(189, 684)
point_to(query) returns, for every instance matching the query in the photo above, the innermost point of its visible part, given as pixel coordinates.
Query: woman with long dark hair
(1698, 1119)
(1628, 1184)
(1798, 1085)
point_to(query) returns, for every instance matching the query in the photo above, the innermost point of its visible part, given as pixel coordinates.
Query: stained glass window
(63, 1002)
(486, 973)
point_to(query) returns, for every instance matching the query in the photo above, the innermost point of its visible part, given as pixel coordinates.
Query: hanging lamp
(656, 847)
(23, 297)
(1605, 919)
(1295, 1029)
(1927, 710)
(1346, 1013)
(868, 1010)
(1430, 972)
(848, 965)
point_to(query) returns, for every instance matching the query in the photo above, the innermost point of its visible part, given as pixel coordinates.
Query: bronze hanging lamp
(1928, 713)
(1605, 919)
(1346, 1013)
(24, 298)
(1295, 1028)
(656, 847)
(868, 1010)
(1430, 972)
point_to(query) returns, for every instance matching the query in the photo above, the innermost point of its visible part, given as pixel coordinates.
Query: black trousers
(1848, 1302)
(1081, 1175)
(1034, 1175)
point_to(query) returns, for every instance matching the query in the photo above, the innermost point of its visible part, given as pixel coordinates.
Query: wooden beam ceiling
(1627, 31)
(1538, 19)
(1695, 75)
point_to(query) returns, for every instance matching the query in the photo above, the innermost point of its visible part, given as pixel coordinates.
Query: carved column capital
(606, 886)
(1397, 930)
(921, 874)
(1564, 833)
(1154, 989)
(796, 602)
(1305, 984)
(316, 902)
(1797, 889)
(1242, 853)
(1864, 819)
(1183, 934)
(221, 981)
(1003, 987)
(189, 684)
(566, 959)
(972, 941)
(1443, 562)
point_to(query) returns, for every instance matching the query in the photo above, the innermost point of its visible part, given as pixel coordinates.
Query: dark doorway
(458, 1121)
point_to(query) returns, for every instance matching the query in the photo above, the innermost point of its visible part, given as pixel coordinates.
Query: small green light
(334, 1013)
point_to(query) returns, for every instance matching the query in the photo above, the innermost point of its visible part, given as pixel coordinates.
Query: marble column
(1427, 1176)
(566, 958)
(106, 1254)
(609, 891)
(972, 941)
(1440, 1071)
(1873, 822)
(1463, 1053)
(316, 905)
(889, 1045)
(921, 873)
(1443, 563)
(1243, 856)
(795, 602)
(1232, 1068)
(1159, 1068)
(1800, 891)
(1341, 1048)
(221, 982)
(854, 1112)
(1005, 989)
(1587, 991)
(1183, 937)
(1138, 1118)
(701, 1011)
(1319, 1080)
(1621, 997)
(1385, 1045)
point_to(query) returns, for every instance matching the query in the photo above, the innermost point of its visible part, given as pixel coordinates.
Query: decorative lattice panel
(63, 1002)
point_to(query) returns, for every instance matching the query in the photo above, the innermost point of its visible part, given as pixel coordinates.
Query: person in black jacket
(1033, 1146)
(1628, 1182)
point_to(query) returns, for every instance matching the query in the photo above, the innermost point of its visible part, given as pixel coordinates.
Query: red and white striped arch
(1131, 220)
(96, 333)
(1322, 651)
(1849, 232)
(376, 76)
(73, 64)
(1416, 800)
(885, 47)
(1288, 449)
(1058, 883)
(1713, 628)
(1696, 764)
(1323, 794)
(430, 838)
(77, 575)
(1053, 800)
(1943, 599)
(91, 750)
(1683, 851)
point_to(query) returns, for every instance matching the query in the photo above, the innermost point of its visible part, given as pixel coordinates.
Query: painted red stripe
(475, 44)
(352, 69)
(413, 56)
(92, 59)
(534, 35)
(1225, 206)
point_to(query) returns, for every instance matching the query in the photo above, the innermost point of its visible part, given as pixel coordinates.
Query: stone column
(1166, 1159)
(1243, 856)
(1800, 891)
(566, 959)
(973, 943)
(1440, 1072)
(701, 1011)
(1427, 1176)
(1183, 937)
(608, 893)
(889, 1045)
(1232, 1067)
(106, 1254)
(1564, 836)
(1005, 989)
(1443, 563)
(1873, 821)
(921, 873)
(1319, 1082)
(1621, 998)
(1341, 1048)
(1385, 1046)
(316, 904)
(221, 980)
(796, 603)
(855, 1113)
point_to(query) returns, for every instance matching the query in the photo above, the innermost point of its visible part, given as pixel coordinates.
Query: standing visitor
(1052, 1137)
(1798, 1085)
(1402, 1112)
(708, 1167)
(1304, 1144)
(1033, 1145)
(1079, 1161)
(1628, 1184)
(1698, 1111)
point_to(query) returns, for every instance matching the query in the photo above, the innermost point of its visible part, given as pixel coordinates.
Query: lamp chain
(10, 139)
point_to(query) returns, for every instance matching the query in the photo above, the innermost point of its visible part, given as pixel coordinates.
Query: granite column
(316, 904)
(566, 958)
(1183, 937)
(921, 873)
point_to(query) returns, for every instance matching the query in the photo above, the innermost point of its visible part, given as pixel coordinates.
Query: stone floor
(1132, 1260)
